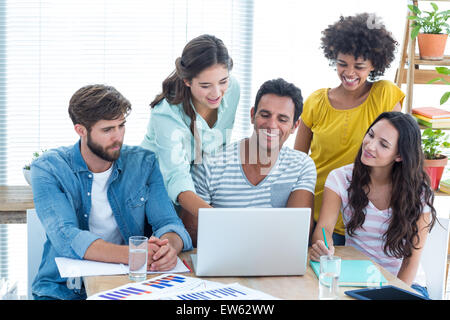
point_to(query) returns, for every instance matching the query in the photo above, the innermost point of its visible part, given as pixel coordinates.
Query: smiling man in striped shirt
(259, 171)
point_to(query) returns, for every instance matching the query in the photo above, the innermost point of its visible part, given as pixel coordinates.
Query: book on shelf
(434, 124)
(431, 112)
(442, 120)
(444, 186)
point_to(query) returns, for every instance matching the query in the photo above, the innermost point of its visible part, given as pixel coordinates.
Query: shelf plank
(422, 127)
(423, 76)
(444, 62)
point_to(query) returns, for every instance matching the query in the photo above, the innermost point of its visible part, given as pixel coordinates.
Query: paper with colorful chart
(180, 287)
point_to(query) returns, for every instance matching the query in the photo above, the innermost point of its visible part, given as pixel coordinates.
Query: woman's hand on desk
(320, 249)
(162, 255)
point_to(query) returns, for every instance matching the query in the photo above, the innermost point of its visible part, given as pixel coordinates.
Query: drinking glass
(137, 258)
(330, 269)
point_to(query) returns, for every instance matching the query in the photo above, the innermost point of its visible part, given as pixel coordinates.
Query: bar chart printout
(164, 284)
(233, 291)
(123, 293)
(179, 287)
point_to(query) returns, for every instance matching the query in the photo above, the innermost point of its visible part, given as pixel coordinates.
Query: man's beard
(101, 152)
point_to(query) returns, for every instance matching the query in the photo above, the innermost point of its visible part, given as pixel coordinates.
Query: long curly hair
(359, 36)
(410, 189)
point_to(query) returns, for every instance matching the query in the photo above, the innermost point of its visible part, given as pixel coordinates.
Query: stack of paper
(444, 186)
(180, 287)
(168, 286)
(81, 268)
(432, 117)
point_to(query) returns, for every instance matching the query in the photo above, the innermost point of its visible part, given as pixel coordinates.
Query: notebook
(437, 120)
(432, 112)
(444, 186)
(356, 273)
(252, 241)
(435, 124)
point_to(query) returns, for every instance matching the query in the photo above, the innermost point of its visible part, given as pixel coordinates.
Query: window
(52, 48)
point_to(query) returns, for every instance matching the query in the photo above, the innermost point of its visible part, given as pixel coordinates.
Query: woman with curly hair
(334, 120)
(385, 199)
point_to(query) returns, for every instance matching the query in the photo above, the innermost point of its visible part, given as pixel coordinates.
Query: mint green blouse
(169, 137)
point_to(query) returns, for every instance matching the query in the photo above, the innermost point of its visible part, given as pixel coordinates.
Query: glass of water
(137, 258)
(330, 269)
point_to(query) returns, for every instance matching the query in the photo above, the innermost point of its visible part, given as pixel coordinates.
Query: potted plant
(445, 71)
(433, 142)
(431, 30)
(26, 168)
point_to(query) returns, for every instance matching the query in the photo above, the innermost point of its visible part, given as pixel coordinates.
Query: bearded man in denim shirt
(92, 196)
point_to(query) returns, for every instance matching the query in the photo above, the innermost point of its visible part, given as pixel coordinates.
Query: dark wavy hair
(359, 36)
(200, 53)
(96, 102)
(410, 189)
(282, 88)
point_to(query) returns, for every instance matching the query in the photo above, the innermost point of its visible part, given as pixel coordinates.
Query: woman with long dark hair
(385, 199)
(193, 114)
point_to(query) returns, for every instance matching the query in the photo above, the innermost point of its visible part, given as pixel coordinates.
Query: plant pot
(27, 175)
(434, 169)
(431, 46)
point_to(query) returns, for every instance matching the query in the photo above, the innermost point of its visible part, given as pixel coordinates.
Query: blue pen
(324, 237)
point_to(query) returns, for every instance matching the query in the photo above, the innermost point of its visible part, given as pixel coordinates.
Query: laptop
(252, 241)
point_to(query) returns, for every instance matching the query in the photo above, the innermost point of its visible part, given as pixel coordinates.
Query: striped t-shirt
(221, 182)
(368, 237)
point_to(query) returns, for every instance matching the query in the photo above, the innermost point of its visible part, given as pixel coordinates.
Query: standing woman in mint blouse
(193, 115)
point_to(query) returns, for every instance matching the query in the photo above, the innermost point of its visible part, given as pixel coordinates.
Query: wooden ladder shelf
(408, 71)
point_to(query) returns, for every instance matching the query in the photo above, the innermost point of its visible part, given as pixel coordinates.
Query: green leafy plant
(444, 71)
(36, 155)
(433, 143)
(428, 21)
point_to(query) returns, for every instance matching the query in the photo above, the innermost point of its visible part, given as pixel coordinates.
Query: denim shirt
(62, 182)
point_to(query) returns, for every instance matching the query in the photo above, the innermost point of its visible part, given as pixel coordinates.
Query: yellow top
(338, 134)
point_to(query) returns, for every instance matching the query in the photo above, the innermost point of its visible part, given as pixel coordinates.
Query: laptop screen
(247, 241)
